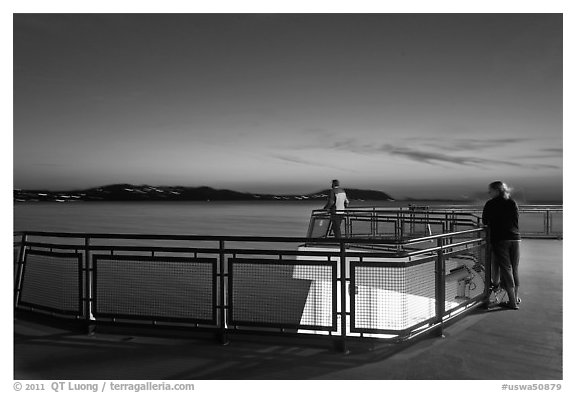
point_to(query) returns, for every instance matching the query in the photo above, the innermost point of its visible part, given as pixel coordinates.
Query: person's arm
(346, 202)
(516, 210)
(485, 215)
(516, 214)
(331, 200)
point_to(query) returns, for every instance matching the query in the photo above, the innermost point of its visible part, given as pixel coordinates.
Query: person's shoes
(509, 305)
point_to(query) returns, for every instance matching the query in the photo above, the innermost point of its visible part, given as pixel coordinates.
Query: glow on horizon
(424, 106)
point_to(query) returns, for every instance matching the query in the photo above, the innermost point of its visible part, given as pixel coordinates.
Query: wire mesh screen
(417, 227)
(51, 282)
(285, 294)
(319, 226)
(420, 291)
(386, 227)
(379, 297)
(465, 276)
(361, 226)
(392, 296)
(556, 222)
(532, 222)
(155, 288)
(436, 228)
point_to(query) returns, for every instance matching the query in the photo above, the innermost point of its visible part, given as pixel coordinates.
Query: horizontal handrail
(436, 207)
(234, 238)
(443, 235)
(393, 212)
(443, 247)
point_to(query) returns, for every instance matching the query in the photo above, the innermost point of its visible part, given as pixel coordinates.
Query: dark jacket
(501, 216)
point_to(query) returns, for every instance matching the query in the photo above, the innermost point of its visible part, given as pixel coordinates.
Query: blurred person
(500, 214)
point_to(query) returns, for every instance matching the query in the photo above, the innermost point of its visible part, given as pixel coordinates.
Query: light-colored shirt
(337, 201)
(341, 200)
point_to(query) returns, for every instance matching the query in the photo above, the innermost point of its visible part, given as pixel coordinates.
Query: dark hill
(130, 192)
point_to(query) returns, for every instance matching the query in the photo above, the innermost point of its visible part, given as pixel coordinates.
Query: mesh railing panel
(155, 288)
(290, 294)
(417, 228)
(51, 281)
(436, 228)
(386, 228)
(319, 227)
(556, 222)
(392, 296)
(361, 226)
(380, 297)
(420, 292)
(532, 222)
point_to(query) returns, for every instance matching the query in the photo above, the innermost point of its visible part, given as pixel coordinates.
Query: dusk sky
(422, 106)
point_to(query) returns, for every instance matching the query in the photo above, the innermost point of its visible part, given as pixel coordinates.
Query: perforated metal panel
(392, 296)
(386, 227)
(556, 222)
(285, 294)
(421, 291)
(319, 226)
(362, 226)
(155, 288)
(51, 281)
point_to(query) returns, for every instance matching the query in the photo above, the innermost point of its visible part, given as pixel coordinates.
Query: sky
(415, 105)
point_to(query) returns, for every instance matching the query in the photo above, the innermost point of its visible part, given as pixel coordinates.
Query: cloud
(556, 150)
(481, 144)
(472, 144)
(430, 151)
(301, 161)
(433, 157)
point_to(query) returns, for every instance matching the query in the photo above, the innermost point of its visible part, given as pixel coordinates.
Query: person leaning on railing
(501, 215)
(336, 204)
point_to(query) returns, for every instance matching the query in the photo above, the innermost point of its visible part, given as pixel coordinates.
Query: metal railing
(355, 287)
(395, 224)
(535, 221)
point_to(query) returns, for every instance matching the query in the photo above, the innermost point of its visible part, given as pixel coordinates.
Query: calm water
(203, 218)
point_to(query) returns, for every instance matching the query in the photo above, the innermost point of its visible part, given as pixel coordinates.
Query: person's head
(335, 183)
(498, 188)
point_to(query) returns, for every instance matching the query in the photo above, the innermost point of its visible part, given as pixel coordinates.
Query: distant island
(130, 192)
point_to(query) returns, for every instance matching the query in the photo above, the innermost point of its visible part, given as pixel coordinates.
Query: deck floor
(496, 344)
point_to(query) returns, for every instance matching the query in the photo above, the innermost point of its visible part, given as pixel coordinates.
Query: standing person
(337, 202)
(501, 215)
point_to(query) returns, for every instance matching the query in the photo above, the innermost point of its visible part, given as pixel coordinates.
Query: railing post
(399, 227)
(19, 269)
(88, 286)
(487, 268)
(548, 222)
(223, 337)
(343, 320)
(440, 287)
